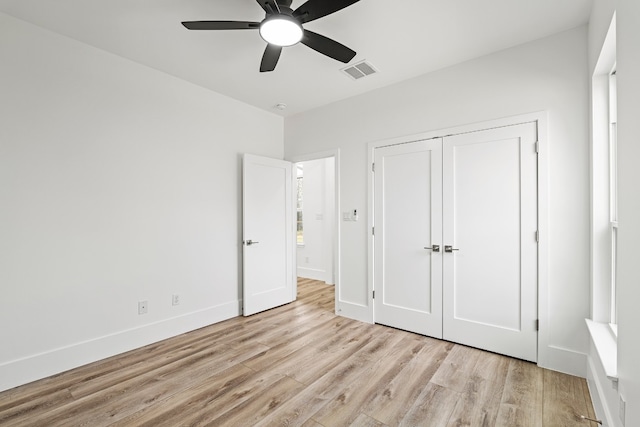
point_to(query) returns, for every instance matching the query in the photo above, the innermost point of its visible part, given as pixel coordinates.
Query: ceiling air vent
(359, 70)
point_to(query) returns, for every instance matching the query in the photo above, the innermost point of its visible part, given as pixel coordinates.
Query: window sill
(614, 330)
(606, 345)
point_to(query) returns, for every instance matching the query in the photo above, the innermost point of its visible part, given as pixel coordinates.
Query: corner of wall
(563, 360)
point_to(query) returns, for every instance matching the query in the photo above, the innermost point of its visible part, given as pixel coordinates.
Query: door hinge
(537, 324)
(373, 167)
(373, 231)
(374, 294)
(537, 147)
(537, 236)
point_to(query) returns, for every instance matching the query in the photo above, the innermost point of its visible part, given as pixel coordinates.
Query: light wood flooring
(300, 364)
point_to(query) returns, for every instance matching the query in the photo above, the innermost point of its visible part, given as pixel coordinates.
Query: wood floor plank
(562, 409)
(40, 404)
(259, 406)
(346, 407)
(278, 350)
(398, 396)
(123, 398)
(456, 370)
(232, 386)
(225, 408)
(433, 407)
(480, 400)
(311, 399)
(299, 364)
(366, 421)
(587, 402)
(521, 403)
(311, 423)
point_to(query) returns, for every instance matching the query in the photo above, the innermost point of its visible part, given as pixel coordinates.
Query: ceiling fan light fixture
(281, 30)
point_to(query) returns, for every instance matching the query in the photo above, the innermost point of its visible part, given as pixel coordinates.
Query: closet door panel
(490, 223)
(408, 222)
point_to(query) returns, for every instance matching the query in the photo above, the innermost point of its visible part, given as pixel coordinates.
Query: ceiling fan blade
(328, 47)
(270, 58)
(221, 25)
(314, 9)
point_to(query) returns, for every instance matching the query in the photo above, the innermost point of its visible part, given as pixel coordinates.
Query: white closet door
(490, 222)
(408, 222)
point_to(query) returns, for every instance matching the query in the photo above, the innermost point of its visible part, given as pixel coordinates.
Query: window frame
(613, 197)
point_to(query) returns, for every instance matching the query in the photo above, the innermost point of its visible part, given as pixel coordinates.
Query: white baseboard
(604, 394)
(312, 273)
(563, 360)
(22, 371)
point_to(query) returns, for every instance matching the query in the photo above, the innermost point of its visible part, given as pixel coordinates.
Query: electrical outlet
(622, 409)
(175, 299)
(142, 307)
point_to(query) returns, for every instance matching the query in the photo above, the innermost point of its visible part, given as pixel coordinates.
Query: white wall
(628, 72)
(117, 184)
(546, 75)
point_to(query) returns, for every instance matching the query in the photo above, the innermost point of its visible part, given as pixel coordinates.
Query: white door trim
(336, 244)
(541, 118)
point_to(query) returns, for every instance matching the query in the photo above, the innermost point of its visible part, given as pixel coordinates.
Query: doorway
(317, 225)
(315, 219)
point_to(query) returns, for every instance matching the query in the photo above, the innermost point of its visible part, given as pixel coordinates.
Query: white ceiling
(402, 39)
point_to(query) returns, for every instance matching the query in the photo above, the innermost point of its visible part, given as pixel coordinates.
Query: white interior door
(408, 223)
(268, 234)
(490, 221)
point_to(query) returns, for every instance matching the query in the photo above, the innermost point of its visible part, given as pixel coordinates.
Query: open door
(268, 234)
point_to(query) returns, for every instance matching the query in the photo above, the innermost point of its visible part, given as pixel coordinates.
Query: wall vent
(359, 70)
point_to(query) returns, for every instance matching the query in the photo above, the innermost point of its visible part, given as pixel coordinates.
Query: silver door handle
(250, 242)
(448, 248)
(434, 248)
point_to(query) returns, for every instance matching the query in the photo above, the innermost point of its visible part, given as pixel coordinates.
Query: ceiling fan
(282, 27)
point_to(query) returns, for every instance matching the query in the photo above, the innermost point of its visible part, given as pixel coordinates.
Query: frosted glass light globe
(281, 30)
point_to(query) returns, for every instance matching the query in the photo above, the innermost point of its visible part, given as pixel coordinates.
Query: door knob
(250, 242)
(434, 248)
(448, 248)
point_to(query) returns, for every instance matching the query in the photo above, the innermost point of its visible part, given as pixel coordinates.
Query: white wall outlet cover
(143, 307)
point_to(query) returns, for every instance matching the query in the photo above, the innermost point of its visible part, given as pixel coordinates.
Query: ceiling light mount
(281, 30)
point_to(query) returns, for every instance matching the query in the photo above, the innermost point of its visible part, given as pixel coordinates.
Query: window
(604, 207)
(613, 194)
(604, 211)
(299, 193)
